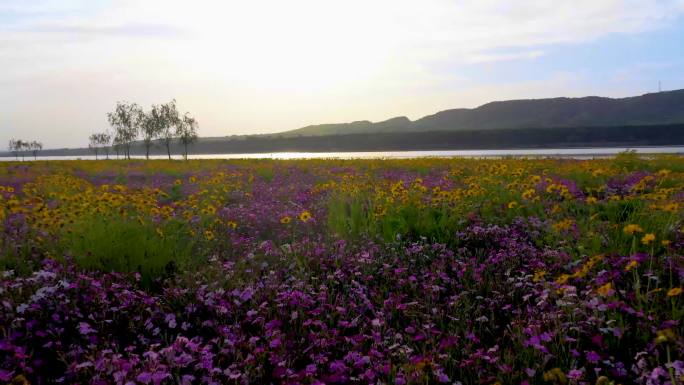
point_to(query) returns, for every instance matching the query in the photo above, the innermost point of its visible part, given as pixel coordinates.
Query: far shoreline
(514, 140)
(531, 152)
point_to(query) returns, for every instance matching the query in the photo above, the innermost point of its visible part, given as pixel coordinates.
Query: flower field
(422, 271)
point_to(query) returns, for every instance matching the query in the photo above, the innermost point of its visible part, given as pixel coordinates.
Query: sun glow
(246, 67)
(295, 46)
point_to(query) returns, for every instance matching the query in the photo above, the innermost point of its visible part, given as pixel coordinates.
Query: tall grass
(127, 246)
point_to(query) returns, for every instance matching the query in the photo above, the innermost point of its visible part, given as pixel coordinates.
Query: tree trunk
(168, 148)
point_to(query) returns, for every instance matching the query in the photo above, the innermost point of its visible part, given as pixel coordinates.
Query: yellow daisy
(305, 216)
(648, 238)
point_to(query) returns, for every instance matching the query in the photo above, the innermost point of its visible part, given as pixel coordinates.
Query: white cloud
(268, 65)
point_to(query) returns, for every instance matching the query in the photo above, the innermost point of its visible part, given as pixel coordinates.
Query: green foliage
(347, 216)
(630, 161)
(18, 257)
(353, 217)
(175, 194)
(267, 173)
(121, 179)
(126, 246)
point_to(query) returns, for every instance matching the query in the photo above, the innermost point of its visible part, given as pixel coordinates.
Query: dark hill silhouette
(661, 108)
(647, 120)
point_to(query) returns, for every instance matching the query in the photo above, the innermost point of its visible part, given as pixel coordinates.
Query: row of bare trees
(100, 141)
(161, 124)
(21, 147)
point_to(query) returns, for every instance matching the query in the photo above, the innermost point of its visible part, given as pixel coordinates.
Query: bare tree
(168, 119)
(186, 131)
(104, 140)
(35, 146)
(94, 143)
(19, 147)
(100, 141)
(116, 145)
(150, 126)
(126, 121)
(14, 147)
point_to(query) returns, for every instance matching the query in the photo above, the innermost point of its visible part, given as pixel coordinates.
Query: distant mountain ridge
(660, 108)
(649, 120)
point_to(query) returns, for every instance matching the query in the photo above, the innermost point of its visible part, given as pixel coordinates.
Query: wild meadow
(422, 271)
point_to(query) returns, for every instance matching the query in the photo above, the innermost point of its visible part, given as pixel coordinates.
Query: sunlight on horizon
(270, 66)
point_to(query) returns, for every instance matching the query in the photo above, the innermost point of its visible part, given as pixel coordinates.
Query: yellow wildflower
(555, 376)
(675, 291)
(209, 235)
(648, 238)
(592, 200)
(512, 204)
(671, 207)
(210, 209)
(663, 172)
(562, 279)
(605, 290)
(631, 265)
(632, 228)
(528, 194)
(285, 220)
(565, 224)
(665, 335)
(20, 380)
(305, 216)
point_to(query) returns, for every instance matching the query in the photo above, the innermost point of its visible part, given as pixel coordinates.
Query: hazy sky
(259, 66)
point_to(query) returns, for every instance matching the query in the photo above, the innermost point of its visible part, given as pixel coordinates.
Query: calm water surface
(580, 153)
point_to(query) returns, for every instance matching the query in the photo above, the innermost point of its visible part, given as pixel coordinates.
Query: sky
(262, 66)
